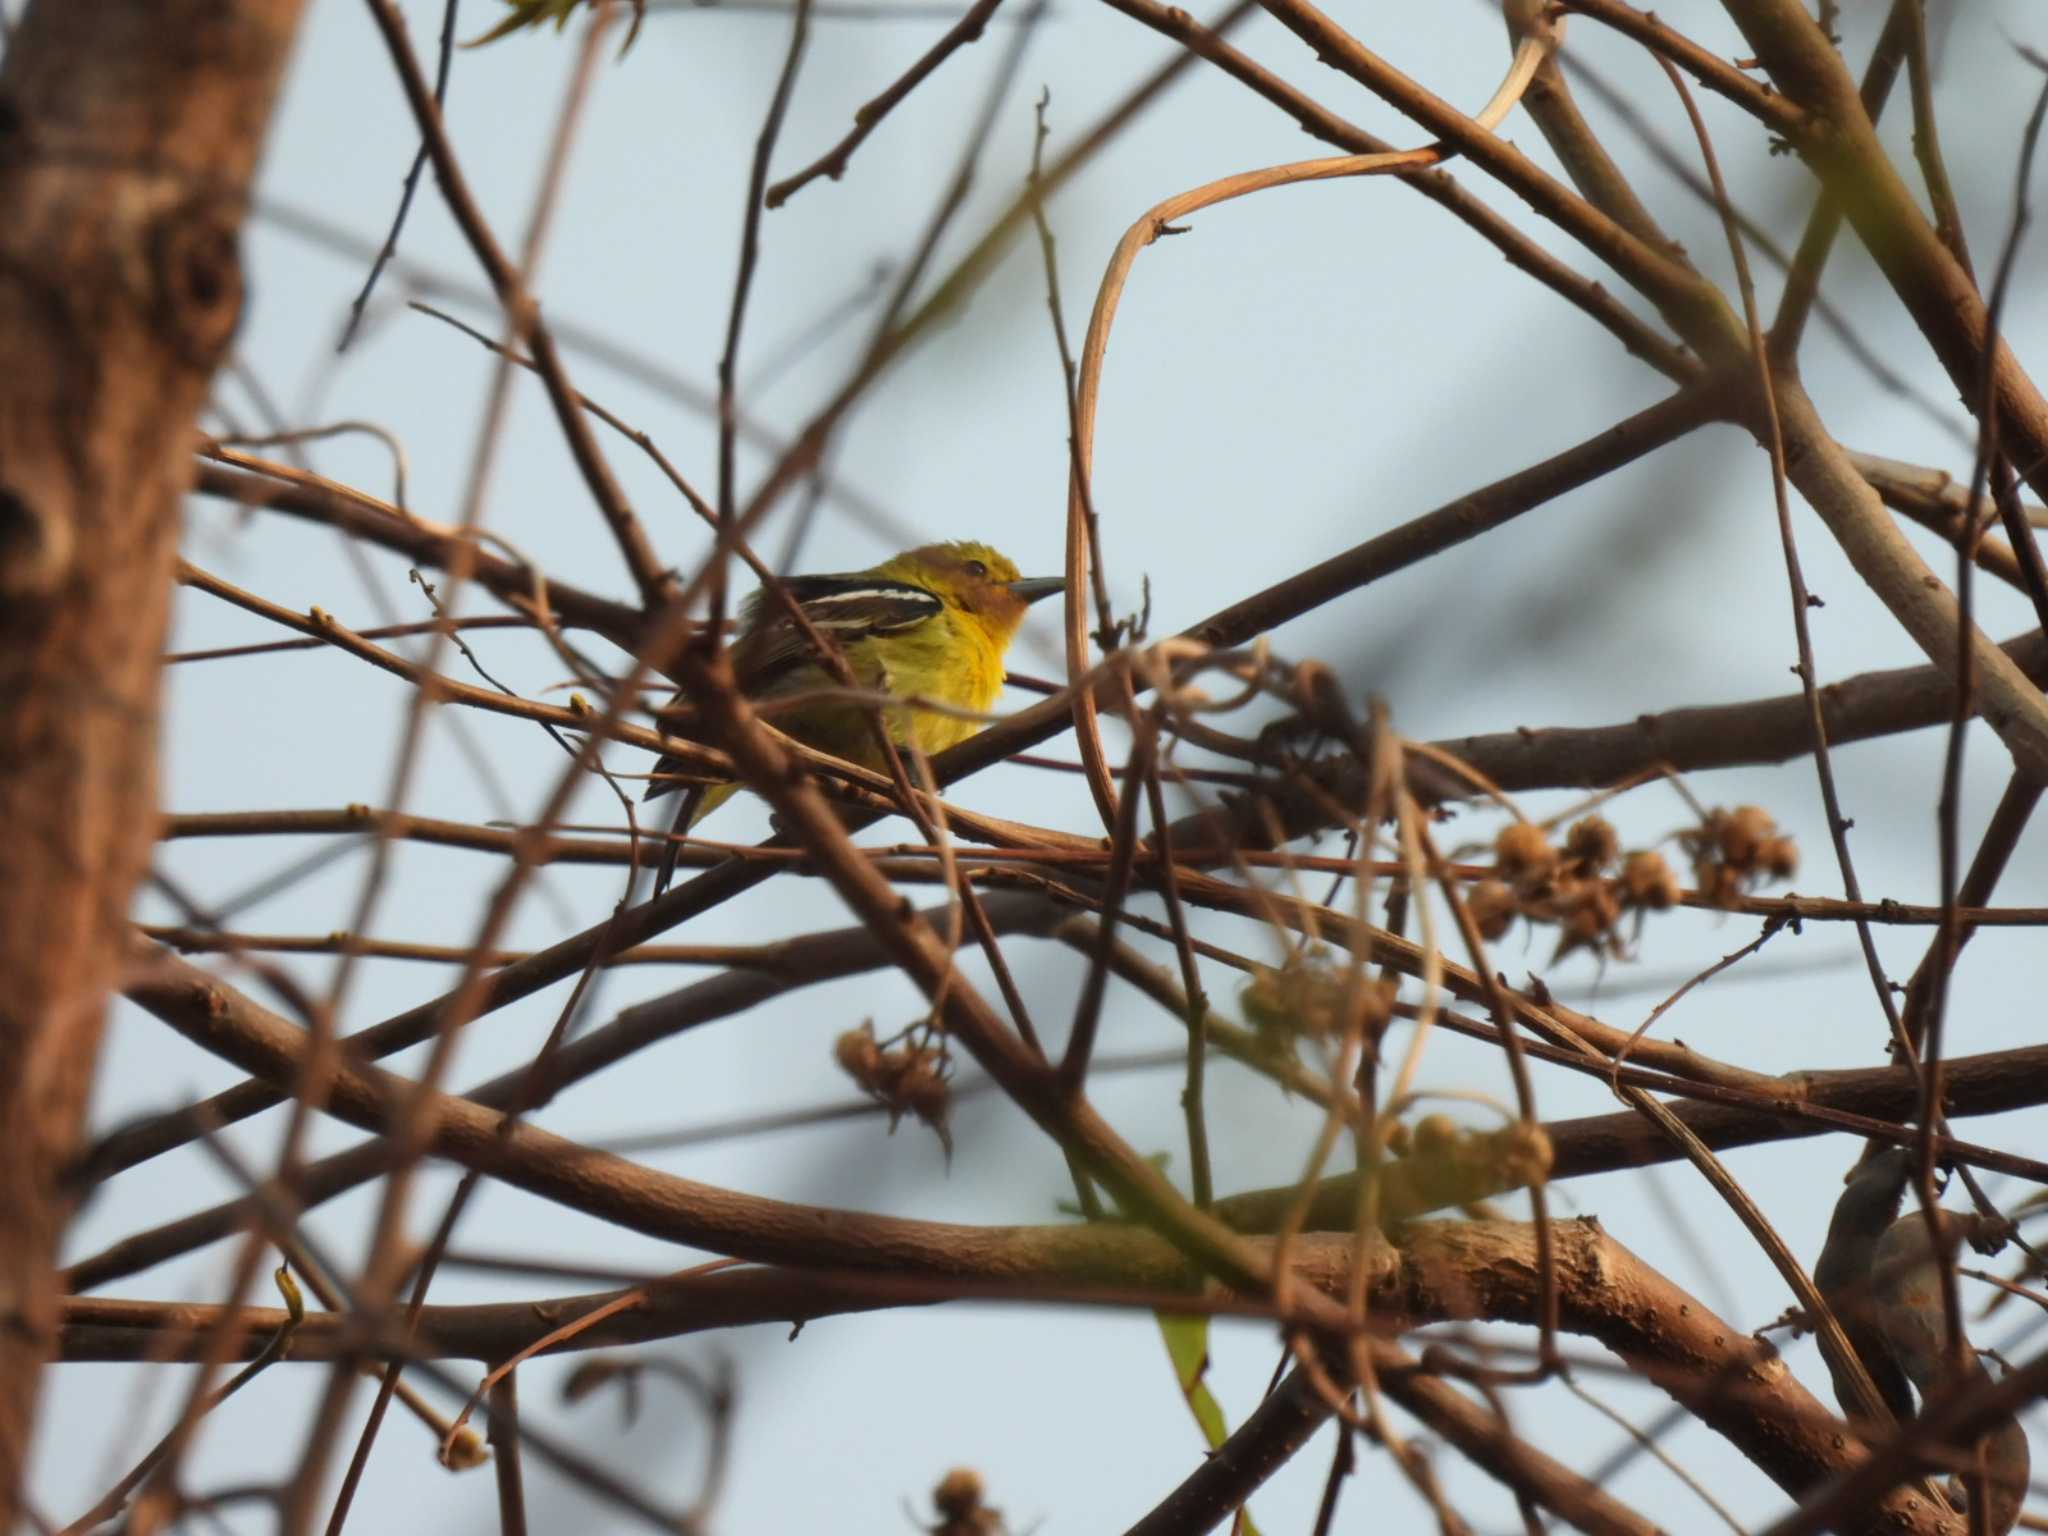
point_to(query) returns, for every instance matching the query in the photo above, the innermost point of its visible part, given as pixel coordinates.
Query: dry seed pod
(857, 1053)
(1743, 832)
(1306, 996)
(1733, 850)
(1648, 881)
(958, 1493)
(1493, 907)
(1522, 854)
(922, 1090)
(1376, 1003)
(1726, 884)
(1592, 844)
(1434, 1136)
(1522, 1153)
(1448, 1165)
(905, 1080)
(1779, 858)
(958, 1499)
(1586, 916)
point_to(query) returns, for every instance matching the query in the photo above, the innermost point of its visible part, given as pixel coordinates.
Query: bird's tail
(698, 801)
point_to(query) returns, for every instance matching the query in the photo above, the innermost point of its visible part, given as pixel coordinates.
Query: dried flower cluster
(1733, 851)
(958, 1499)
(1585, 887)
(1440, 1164)
(1315, 995)
(907, 1078)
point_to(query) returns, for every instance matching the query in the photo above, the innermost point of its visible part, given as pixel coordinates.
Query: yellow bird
(931, 623)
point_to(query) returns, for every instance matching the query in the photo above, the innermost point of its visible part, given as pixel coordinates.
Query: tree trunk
(128, 133)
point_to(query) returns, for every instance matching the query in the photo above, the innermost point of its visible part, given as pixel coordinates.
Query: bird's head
(976, 579)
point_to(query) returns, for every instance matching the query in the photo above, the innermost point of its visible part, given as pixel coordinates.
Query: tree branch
(133, 129)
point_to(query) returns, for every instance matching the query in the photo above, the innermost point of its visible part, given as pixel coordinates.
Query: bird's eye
(977, 570)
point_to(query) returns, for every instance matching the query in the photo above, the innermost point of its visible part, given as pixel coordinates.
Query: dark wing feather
(771, 651)
(844, 609)
(1844, 1274)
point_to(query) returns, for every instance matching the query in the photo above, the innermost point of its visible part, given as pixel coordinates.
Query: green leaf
(533, 13)
(527, 13)
(1187, 1346)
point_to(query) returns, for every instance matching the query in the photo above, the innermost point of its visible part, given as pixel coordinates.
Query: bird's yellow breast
(952, 660)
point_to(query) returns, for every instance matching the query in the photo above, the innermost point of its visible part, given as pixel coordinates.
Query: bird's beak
(1032, 588)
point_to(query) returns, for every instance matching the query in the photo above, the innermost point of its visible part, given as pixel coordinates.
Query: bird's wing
(773, 656)
(1844, 1275)
(771, 649)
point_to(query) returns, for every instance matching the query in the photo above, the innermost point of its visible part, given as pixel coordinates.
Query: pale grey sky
(1284, 381)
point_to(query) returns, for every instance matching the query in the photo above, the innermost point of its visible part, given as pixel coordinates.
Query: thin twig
(504, 1438)
(1802, 599)
(442, 66)
(742, 286)
(508, 282)
(1949, 809)
(1123, 846)
(869, 115)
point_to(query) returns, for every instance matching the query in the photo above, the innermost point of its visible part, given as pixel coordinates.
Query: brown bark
(1442, 1271)
(128, 132)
